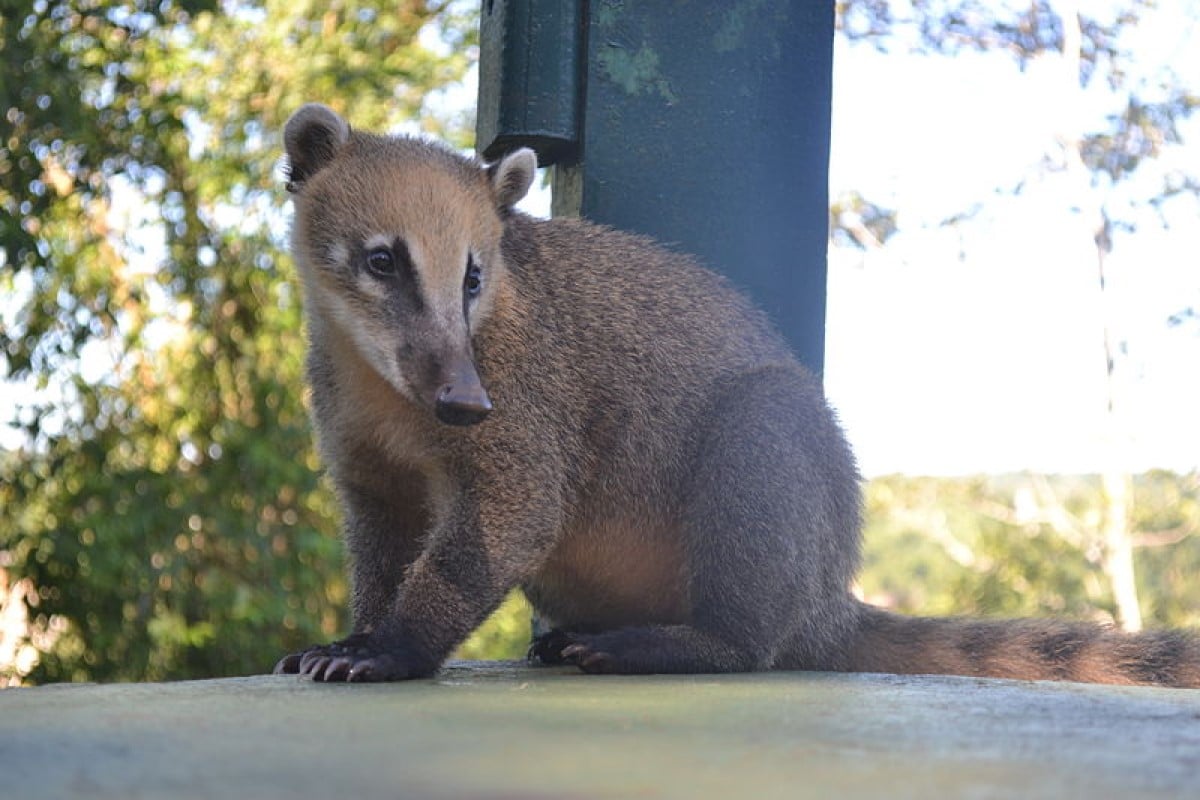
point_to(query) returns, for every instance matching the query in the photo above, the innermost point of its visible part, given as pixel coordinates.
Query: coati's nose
(462, 404)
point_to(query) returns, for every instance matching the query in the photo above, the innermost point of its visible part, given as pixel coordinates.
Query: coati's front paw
(290, 664)
(562, 647)
(353, 659)
(547, 648)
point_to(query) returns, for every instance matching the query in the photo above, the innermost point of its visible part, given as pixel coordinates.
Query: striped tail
(1027, 649)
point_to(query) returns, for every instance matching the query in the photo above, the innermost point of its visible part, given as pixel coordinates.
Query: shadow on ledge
(504, 730)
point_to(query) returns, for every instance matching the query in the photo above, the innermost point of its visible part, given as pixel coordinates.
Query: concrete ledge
(506, 730)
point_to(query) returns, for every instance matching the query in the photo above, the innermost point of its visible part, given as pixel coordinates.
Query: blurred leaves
(1141, 131)
(1027, 545)
(1023, 30)
(857, 222)
(167, 504)
(505, 635)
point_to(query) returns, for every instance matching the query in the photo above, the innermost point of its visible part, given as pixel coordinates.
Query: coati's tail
(1029, 649)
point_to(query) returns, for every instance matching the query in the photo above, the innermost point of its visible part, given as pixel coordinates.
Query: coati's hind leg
(771, 523)
(547, 648)
(645, 649)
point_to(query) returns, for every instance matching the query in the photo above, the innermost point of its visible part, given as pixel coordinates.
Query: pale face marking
(339, 254)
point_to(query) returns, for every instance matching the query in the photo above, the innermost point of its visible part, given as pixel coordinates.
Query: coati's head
(398, 241)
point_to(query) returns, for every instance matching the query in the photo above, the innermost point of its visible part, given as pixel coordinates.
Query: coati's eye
(381, 263)
(473, 282)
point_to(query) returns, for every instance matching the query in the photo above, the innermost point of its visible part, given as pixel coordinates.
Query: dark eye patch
(389, 260)
(392, 265)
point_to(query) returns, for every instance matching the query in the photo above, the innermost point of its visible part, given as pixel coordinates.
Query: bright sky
(985, 353)
(980, 349)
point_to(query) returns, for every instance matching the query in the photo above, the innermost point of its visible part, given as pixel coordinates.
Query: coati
(553, 405)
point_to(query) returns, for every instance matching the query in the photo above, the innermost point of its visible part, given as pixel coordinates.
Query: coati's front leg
(383, 536)
(770, 530)
(498, 523)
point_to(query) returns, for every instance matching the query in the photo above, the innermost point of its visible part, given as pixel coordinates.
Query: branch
(1165, 537)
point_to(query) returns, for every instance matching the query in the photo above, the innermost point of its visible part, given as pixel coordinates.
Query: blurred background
(1013, 335)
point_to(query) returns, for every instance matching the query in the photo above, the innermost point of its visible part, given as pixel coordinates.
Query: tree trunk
(1118, 549)
(1115, 477)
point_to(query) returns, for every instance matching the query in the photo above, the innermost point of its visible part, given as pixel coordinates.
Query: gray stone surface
(508, 731)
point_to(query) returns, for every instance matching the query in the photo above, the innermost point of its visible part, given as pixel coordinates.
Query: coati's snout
(461, 399)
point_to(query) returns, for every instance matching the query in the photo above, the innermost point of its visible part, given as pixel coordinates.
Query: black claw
(338, 669)
(573, 654)
(309, 661)
(288, 665)
(362, 672)
(598, 663)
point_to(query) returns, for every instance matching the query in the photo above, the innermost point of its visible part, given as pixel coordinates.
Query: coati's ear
(512, 176)
(312, 137)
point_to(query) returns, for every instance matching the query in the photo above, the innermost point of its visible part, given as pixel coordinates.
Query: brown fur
(632, 444)
(1040, 649)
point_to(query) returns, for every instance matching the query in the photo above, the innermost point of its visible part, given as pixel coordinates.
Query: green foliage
(167, 506)
(1167, 518)
(1012, 546)
(505, 635)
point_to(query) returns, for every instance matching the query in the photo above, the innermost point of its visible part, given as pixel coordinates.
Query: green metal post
(703, 124)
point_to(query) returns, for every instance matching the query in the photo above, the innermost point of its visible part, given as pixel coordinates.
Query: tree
(1026, 545)
(1117, 172)
(165, 502)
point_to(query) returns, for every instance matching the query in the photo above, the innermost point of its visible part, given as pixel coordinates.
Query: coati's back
(641, 339)
(579, 412)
